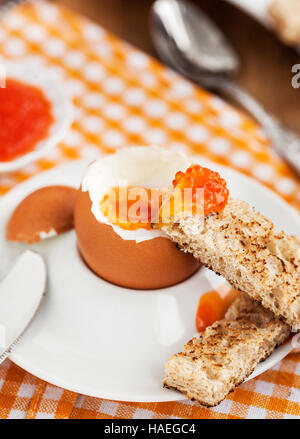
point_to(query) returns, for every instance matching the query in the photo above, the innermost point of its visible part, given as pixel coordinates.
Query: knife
(21, 294)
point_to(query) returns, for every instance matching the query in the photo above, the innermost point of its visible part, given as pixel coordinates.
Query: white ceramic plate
(101, 340)
(62, 110)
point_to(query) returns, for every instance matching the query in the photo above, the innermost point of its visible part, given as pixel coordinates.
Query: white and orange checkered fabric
(123, 97)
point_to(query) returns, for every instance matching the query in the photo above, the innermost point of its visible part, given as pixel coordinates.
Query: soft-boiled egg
(121, 242)
(44, 213)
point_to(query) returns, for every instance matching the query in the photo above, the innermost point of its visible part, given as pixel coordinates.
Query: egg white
(149, 166)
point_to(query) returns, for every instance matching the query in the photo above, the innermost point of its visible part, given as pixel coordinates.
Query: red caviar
(215, 191)
(132, 208)
(25, 118)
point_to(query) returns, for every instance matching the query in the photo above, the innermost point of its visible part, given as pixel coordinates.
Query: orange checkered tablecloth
(123, 97)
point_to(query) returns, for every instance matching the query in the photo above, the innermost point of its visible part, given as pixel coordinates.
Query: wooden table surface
(265, 62)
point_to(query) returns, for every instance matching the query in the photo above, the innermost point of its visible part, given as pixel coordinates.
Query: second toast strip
(227, 352)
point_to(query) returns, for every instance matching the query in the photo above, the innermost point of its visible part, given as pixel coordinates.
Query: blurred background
(266, 62)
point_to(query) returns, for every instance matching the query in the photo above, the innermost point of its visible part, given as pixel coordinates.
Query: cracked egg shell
(44, 213)
(139, 259)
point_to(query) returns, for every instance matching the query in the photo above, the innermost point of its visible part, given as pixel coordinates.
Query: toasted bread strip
(244, 247)
(227, 352)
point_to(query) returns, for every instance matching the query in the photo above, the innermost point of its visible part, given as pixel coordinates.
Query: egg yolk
(197, 190)
(133, 208)
(213, 306)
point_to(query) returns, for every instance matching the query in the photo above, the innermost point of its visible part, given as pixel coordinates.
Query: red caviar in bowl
(25, 118)
(215, 191)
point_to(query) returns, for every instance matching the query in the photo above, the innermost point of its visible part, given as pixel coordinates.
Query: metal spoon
(187, 40)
